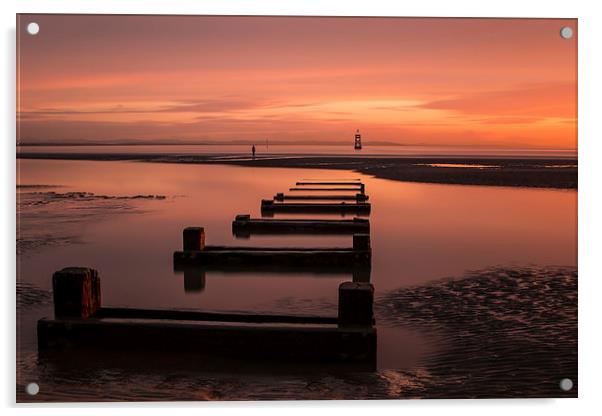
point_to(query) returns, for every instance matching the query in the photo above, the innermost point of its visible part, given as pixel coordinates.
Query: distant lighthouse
(358, 140)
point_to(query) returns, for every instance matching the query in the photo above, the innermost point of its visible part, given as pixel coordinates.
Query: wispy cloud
(410, 81)
(540, 100)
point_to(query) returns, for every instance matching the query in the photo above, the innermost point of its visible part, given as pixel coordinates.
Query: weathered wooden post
(356, 300)
(362, 188)
(361, 197)
(76, 292)
(361, 242)
(240, 226)
(267, 206)
(194, 238)
(361, 274)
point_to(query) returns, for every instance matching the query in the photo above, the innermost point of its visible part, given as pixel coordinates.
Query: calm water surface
(420, 233)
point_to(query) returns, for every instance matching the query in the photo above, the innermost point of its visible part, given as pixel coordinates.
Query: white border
(590, 206)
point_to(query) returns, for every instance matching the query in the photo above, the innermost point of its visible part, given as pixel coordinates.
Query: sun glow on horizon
(504, 82)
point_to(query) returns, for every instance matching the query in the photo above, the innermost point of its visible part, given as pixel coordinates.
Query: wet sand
(509, 332)
(526, 172)
(504, 333)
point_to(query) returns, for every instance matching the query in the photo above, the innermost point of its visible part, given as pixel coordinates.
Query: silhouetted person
(253, 150)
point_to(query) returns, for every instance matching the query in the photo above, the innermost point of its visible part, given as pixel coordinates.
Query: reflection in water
(195, 277)
(420, 233)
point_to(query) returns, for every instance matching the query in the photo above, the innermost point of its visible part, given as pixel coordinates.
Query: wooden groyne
(330, 179)
(268, 205)
(285, 197)
(315, 189)
(81, 322)
(244, 226)
(323, 186)
(329, 183)
(195, 252)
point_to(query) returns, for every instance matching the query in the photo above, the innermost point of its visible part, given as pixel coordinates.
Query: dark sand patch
(525, 172)
(508, 332)
(36, 186)
(51, 196)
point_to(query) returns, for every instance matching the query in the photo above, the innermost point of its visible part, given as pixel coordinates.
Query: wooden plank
(297, 342)
(358, 184)
(268, 205)
(323, 189)
(244, 226)
(183, 315)
(321, 186)
(286, 197)
(330, 179)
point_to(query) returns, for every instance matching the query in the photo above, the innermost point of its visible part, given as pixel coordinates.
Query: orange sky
(507, 83)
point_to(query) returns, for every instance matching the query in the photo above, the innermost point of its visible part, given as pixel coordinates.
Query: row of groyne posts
(81, 322)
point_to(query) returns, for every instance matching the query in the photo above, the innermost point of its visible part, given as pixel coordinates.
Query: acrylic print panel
(277, 208)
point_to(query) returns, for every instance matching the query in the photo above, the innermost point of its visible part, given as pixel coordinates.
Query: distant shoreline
(558, 173)
(373, 143)
(233, 143)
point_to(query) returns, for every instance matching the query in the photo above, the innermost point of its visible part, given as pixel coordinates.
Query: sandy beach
(510, 332)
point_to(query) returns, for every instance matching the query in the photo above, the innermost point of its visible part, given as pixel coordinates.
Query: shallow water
(420, 233)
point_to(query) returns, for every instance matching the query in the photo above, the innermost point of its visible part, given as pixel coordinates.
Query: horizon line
(281, 143)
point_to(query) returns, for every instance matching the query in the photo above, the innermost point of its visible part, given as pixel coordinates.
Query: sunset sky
(491, 82)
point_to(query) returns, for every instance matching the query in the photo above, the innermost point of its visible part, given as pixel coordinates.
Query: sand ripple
(508, 332)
